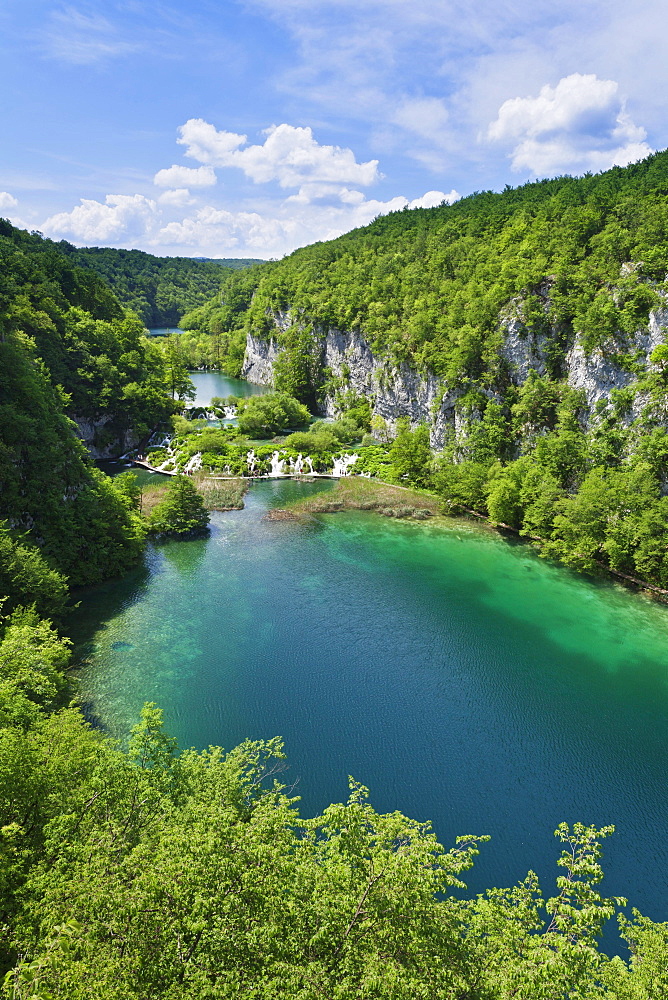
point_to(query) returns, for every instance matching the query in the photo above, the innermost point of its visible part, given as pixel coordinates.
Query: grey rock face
(397, 390)
(92, 433)
(599, 373)
(259, 360)
(522, 350)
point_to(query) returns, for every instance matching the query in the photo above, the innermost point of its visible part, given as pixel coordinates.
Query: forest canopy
(158, 289)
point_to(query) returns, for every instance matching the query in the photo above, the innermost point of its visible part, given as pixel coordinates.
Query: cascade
(342, 464)
(277, 464)
(251, 461)
(159, 441)
(193, 464)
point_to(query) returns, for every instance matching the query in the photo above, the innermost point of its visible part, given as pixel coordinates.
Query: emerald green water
(459, 676)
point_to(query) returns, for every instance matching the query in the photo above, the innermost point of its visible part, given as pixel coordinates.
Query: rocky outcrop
(397, 390)
(259, 360)
(601, 372)
(522, 350)
(102, 439)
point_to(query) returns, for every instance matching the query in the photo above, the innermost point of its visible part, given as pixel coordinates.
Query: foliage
(264, 416)
(192, 875)
(159, 289)
(93, 350)
(33, 659)
(216, 336)
(177, 379)
(430, 286)
(410, 453)
(26, 579)
(182, 510)
(83, 523)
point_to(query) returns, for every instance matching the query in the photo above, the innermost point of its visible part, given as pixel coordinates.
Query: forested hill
(525, 330)
(159, 289)
(430, 285)
(68, 349)
(155, 874)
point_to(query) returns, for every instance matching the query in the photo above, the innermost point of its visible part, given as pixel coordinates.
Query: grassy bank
(218, 494)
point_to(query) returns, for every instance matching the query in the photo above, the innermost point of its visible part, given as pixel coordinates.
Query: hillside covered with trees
(500, 298)
(429, 285)
(216, 331)
(158, 289)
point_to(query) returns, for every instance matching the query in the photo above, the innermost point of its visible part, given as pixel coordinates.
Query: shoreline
(332, 507)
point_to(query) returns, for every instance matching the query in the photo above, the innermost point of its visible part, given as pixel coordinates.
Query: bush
(182, 512)
(264, 416)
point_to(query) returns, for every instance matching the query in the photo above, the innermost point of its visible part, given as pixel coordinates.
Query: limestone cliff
(102, 439)
(397, 390)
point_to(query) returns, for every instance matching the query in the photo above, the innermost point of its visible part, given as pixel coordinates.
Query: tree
(26, 578)
(379, 428)
(503, 497)
(463, 486)
(410, 452)
(182, 512)
(177, 378)
(264, 416)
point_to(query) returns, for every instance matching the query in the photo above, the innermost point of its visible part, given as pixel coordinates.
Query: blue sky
(249, 127)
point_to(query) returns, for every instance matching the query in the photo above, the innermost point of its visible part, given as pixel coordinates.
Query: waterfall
(310, 463)
(342, 464)
(162, 442)
(251, 461)
(230, 412)
(277, 464)
(193, 464)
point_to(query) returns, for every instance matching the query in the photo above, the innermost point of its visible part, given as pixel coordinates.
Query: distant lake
(210, 384)
(163, 331)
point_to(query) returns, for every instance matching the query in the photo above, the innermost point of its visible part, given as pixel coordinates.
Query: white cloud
(178, 197)
(326, 204)
(121, 217)
(177, 176)
(433, 198)
(282, 227)
(289, 155)
(276, 229)
(581, 124)
(7, 200)
(207, 144)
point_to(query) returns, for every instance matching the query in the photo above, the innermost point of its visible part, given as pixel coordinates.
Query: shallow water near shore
(462, 678)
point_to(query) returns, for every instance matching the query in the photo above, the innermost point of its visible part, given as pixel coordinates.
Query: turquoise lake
(459, 676)
(210, 384)
(462, 678)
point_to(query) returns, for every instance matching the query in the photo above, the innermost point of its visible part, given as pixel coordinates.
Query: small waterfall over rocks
(277, 464)
(193, 464)
(342, 465)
